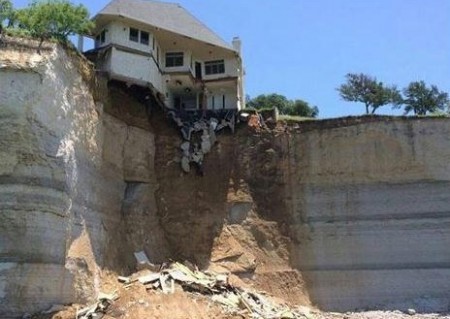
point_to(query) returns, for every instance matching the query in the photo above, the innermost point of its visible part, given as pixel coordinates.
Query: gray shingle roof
(168, 16)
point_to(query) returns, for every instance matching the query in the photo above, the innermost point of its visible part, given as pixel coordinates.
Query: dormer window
(174, 59)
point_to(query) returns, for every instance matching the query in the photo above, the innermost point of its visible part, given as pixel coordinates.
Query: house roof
(169, 16)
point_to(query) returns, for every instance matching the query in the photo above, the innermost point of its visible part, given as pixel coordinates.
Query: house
(162, 46)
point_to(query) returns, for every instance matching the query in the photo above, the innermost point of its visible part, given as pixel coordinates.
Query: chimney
(237, 44)
(80, 43)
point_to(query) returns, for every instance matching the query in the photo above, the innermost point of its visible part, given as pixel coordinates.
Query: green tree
(302, 108)
(366, 89)
(269, 101)
(422, 99)
(283, 104)
(6, 10)
(54, 19)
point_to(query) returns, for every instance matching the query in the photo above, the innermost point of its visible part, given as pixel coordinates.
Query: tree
(302, 108)
(422, 99)
(285, 106)
(6, 10)
(54, 19)
(366, 89)
(269, 101)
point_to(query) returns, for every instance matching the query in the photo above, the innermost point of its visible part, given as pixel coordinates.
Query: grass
(294, 118)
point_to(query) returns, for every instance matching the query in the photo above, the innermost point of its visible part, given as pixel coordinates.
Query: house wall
(230, 100)
(231, 69)
(135, 66)
(118, 33)
(187, 58)
(131, 66)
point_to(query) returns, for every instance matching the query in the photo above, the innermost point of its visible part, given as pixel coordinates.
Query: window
(145, 37)
(134, 35)
(174, 59)
(214, 67)
(153, 45)
(101, 38)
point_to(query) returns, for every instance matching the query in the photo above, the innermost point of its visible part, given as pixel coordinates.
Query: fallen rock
(411, 312)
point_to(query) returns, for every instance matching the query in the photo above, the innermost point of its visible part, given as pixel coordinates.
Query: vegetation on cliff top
(286, 107)
(417, 97)
(44, 20)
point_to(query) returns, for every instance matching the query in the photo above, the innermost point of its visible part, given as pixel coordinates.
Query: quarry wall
(342, 214)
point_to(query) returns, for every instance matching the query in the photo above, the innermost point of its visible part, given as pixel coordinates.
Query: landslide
(232, 218)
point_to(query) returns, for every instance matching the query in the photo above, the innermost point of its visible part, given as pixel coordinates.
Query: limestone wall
(364, 203)
(371, 214)
(66, 170)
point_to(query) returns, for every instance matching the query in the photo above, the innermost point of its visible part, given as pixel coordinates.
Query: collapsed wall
(344, 214)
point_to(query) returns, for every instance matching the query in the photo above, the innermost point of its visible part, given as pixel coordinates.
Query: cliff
(342, 214)
(75, 182)
(362, 204)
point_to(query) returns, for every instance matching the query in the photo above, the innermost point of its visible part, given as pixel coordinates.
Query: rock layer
(372, 215)
(65, 166)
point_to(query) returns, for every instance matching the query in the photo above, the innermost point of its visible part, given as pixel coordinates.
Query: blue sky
(303, 48)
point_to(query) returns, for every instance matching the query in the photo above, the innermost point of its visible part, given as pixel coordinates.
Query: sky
(304, 48)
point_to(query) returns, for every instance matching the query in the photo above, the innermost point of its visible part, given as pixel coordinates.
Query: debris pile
(98, 309)
(199, 134)
(235, 300)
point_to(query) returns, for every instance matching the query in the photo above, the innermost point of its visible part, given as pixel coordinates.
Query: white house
(162, 46)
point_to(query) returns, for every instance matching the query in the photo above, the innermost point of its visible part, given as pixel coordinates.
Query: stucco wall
(230, 100)
(231, 69)
(137, 67)
(119, 33)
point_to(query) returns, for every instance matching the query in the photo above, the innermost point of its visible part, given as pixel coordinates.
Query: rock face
(344, 214)
(364, 202)
(70, 175)
(371, 212)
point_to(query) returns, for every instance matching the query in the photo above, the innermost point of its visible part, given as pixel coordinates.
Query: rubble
(199, 134)
(143, 262)
(53, 308)
(411, 312)
(216, 286)
(98, 309)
